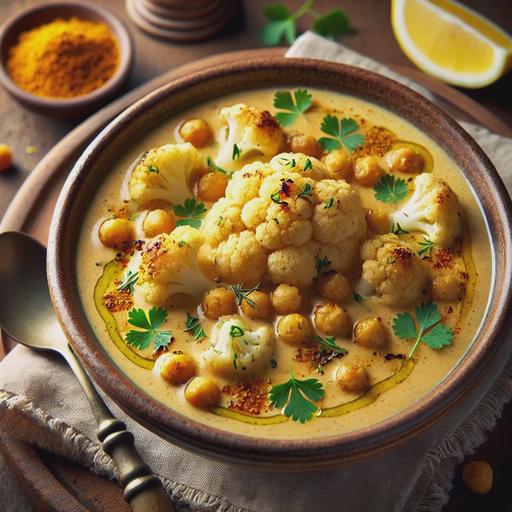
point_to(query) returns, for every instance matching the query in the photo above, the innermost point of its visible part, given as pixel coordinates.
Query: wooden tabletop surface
(373, 36)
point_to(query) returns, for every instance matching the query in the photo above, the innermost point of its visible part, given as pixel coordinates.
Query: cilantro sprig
(343, 132)
(295, 106)
(129, 282)
(428, 328)
(191, 213)
(149, 324)
(193, 326)
(297, 397)
(390, 189)
(242, 294)
(282, 24)
(330, 343)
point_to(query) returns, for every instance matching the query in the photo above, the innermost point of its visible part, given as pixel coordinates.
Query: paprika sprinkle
(64, 58)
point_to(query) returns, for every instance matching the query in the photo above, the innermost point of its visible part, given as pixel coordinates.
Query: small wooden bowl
(65, 108)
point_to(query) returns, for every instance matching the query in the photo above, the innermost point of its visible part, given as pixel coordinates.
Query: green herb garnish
(320, 369)
(358, 298)
(129, 282)
(287, 162)
(398, 230)
(430, 329)
(343, 132)
(308, 165)
(242, 294)
(236, 332)
(191, 213)
(306, 192)
(236, 153)
(297, 397)
(153, 169)
(150, 324)
(321, 265)
(285, 101)
(390, 189)
(193, 326)
(426, 248)
(214, 167)
(329, 204)
(330, 343)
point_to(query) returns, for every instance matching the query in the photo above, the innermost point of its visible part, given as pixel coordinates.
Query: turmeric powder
(64, 58)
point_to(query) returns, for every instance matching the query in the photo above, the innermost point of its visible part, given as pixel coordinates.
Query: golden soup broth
(431, 365)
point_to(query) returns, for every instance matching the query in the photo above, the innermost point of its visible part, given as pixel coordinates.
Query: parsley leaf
(330, 343)
(242, 294)
(321, 265)
(333, 24)
(429, 330)
(390, 190)
(297, 397)
(150, 324)
(191, 213)
(236, 332)
(306, 192)
(214, 167)
(343, 132)
(284, 101)
(426, 248)
(308, 165)
(193, 326)
(129, 282)
(236, 152)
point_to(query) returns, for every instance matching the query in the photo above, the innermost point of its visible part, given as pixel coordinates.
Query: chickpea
(5, 157)
(477, 476)
(177, 368)
(371, 333)
(158, 221)
(218, 302)
(339, 165)
(332, 320)
(367, 171)
(286, 299)
(306, 144)
(405, 160)
(446, 288)
(294, 329)
(378, 221)
(202, 392)
(334, 287)
(116, 232)
(353, 379)
(262, 309)
(212, 186)
(197, 132)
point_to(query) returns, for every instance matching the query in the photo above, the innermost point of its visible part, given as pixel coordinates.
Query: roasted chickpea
(332, 320)
(339, 165)
(177, 368)
(371, 333)
(334, 287)
(353, 379)
(197, 132)
(212, 186)
(405, 160)
(5, 157)
(447, 288)
(378, 221)
(158, 221)
(116, 232)
(367, 171)
(218, 302)
(294, 329)
(262, 306)
(306, 144)
(478, 476)
(202, 392)
(286, 299)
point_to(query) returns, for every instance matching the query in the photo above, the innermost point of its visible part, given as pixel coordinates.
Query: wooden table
(20, 128)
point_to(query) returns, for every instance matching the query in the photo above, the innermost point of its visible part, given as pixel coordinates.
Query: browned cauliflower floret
(245, 184)
(338, 213)
(221, 220)
(292, 265)
(342, 256)
(306, 166)
(393, 270)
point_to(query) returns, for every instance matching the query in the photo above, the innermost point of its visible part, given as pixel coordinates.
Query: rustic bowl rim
(119, 31)
(313, 452)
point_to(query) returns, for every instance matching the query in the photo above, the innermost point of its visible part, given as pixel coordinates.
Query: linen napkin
(41, 402)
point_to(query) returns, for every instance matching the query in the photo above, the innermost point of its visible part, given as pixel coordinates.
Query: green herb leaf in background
(191, 213)
(390, 189)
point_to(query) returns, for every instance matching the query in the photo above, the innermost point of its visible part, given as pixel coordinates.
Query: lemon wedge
(451, 42)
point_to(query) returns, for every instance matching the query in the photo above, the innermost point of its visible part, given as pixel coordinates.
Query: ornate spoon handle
(142, 489)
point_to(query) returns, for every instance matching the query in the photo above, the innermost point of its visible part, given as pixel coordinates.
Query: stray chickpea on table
(5, 157)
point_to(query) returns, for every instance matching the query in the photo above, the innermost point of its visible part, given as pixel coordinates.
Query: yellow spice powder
(64, 58)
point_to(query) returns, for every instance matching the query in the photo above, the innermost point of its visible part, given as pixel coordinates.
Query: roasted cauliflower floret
(306, 166)
(338, 213)
(256, 134)
(342, 256)
(245, 184)
(393, 270)
(164, 174)
(236, 348)
(433, 210)
(292, 265)
(240, 259)
(221, 220)
(169, 266)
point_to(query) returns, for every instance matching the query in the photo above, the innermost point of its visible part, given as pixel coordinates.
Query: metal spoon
(27, 316)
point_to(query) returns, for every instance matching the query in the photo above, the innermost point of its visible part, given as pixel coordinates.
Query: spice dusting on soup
(300, 256)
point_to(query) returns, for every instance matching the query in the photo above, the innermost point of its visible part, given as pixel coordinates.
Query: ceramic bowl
(215, 82)
(38, 15)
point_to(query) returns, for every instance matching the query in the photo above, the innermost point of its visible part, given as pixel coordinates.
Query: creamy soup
(285, 264)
